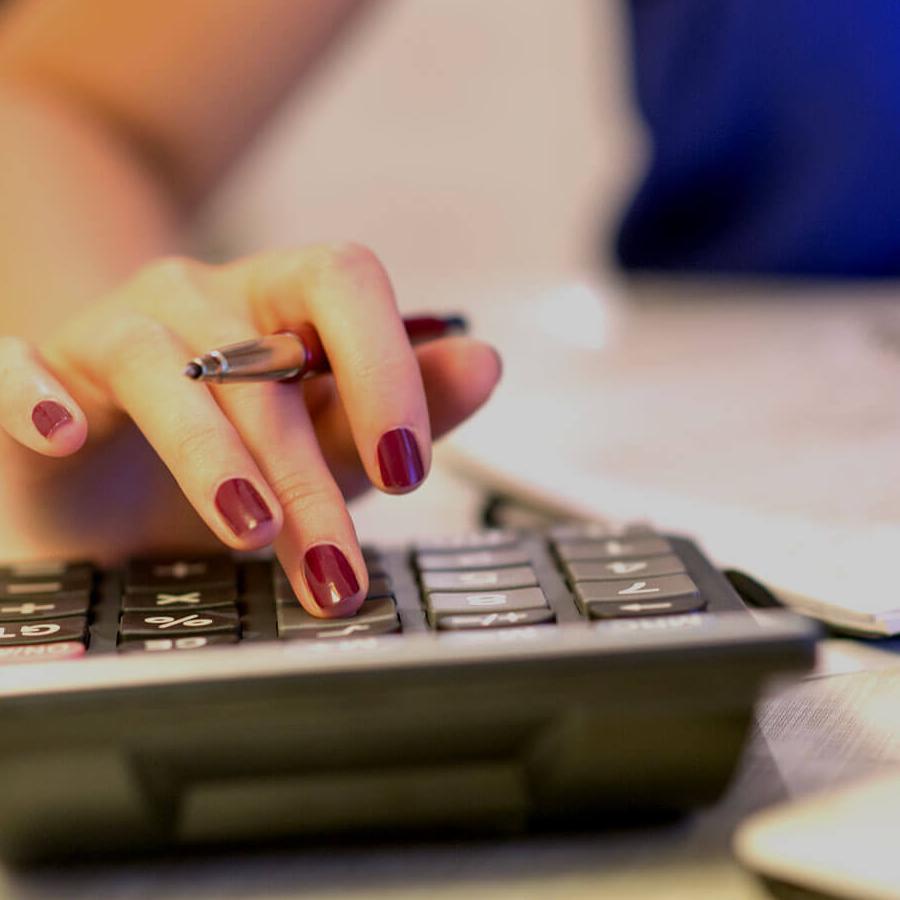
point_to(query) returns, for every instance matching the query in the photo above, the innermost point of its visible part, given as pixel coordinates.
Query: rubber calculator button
(52, 607)
(180, 598)
(636, 608)
(150, 575)
(576, 531)
(613, 548)
(617, 569)
(173, 644)
(476, 579)
(511, 619)
(647, 596)
(472, 559)
(41, 653)
(29, 589)
(350, 628)
(485, 601)
(472, 540)
(293, 618)
(71, 629)
(178, 624)
(70, 574)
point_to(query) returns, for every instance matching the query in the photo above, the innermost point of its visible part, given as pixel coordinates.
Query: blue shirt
(775, 127)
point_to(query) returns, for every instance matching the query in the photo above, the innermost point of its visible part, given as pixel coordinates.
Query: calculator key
(166, 645)
(485, 601)
(294, 618)
(511, 619)
(646, 591)
(472, 559)
(576, 531)
(55, 589)
(639, 608)
(70, 575)
(351, 628)
(150, 575)
(71, 629)
(617, 569)
(41, 653)
(473, 540)
(613, 548)
(49, 608)
(499, 579)
(178, 624)
(180, 598)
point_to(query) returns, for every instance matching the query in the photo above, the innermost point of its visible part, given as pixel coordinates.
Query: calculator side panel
(480, 746)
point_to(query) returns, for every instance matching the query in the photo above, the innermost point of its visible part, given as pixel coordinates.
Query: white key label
(638, 587)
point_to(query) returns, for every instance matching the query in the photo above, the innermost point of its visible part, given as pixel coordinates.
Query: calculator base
(237, 765)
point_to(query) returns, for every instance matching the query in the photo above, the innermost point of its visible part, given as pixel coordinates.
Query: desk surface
(689, 859)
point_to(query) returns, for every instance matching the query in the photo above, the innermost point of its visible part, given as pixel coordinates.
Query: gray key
(639, 590)
(15, 633)
(70, 574)
(473, 540)
(613, 548)
(168, 645)
(151, 575)
(52, 607)
(180, 599)
(640, 608)
(509, 619)
(30, 589)
(178, 624)
(472, 559)
(485, 601)
(480, 579)
(617, 569)
(349, 629)
(293, 617)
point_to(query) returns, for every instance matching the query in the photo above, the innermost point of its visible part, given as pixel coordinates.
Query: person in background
(117, 121)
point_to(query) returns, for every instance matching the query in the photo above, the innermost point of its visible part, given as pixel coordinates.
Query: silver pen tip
(193, 370)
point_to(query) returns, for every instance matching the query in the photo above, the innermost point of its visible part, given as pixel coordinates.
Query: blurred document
(766, 422)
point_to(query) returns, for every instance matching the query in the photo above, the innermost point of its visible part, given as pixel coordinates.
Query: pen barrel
(276, 357)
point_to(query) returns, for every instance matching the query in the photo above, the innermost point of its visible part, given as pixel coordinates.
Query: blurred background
(457, 138)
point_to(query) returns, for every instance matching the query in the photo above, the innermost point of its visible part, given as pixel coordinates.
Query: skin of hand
(110, 451)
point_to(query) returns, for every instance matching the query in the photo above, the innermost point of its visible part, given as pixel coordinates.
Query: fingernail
(241, 506)
(399, 459)
(329, 576)
(49, 416)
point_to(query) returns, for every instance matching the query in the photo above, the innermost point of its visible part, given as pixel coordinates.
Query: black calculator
(499, 680)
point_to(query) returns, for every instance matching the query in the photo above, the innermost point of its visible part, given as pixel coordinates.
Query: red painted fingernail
(399, 459)
(49, 416)
(241, 506)
(329, 576)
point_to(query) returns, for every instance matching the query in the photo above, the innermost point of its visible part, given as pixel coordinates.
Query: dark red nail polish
(241, 506)
(329, 576)
(399, 459)
(49, 416)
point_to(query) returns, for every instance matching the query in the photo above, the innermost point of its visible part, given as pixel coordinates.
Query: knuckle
(14, 348)
(170, 283)
(300, 495)
(131, 340)
(195, 443)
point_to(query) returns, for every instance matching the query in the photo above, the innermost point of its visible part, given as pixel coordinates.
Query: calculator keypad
(478, 582)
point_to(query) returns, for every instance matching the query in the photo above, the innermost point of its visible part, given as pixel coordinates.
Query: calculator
(499, 680)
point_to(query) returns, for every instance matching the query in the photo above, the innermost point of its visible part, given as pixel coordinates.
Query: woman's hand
(112, 451)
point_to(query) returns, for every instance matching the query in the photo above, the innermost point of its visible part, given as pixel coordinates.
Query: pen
(289, 356)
